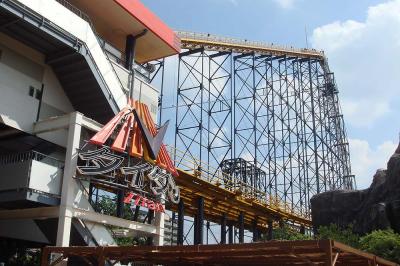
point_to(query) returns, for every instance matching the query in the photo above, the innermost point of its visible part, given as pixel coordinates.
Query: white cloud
(286, 4)
(363, 57)
(362, 113)
(342, 32)
(365, 160)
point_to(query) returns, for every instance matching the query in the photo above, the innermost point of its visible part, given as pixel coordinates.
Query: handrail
(226, 181)
(189, 37)
(19, 157)
(141, 70)
(75, 10)
(43, 22)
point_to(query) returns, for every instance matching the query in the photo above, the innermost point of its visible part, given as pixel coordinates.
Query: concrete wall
(40, 176)
(143, 91)
(78, 27)
(14, 176)
(45, 177)
(22, 229)
(23, 73)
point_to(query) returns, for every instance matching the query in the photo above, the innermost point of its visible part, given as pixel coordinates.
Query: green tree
(288, 233)
(383, 243)
(343, 235)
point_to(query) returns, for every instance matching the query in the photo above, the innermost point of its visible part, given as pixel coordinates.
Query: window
(31, 91)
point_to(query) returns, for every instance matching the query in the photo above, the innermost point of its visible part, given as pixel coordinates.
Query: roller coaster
(258, 132)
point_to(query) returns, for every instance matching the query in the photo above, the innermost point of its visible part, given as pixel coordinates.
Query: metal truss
(204, 107)
(272, 121)
(265, 116)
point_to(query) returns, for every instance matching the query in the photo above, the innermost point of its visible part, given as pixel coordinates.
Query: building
(66, 67)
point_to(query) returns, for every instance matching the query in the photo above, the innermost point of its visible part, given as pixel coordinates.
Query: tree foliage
(343, 235)
(383, 243)
(289, 233)
(108, 206)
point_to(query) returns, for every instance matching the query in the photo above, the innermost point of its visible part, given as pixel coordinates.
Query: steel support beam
(230, 234)
(277, 113)
(255, 231)
(241, 227)
(181, 217)
(120, 203)
(270, 230)
(302, 230)
(223, 229)
(199, 222)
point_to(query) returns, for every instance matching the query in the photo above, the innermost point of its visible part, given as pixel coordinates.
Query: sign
(139, 200)
(128, 153)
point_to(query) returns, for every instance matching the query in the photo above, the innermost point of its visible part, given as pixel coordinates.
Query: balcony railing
(32, 171)
(27, 156)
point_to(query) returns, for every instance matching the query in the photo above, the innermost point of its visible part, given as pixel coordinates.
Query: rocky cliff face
(377, 207)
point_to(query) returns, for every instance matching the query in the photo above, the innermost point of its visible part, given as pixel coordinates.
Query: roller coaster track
(224, 195)
(190, 40)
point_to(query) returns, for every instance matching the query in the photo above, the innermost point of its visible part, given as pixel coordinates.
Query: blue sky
(361, 39)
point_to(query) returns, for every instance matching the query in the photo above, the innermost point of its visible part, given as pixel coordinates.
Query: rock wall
(377, 207)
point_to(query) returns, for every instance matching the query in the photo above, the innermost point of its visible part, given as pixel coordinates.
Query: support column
(181, 208)
(230, 233)
(281, 224)
(91, 189)
(172, 228)
(195, 229)
(241, 227)
(159, 223)
(130, 45)
(302, 230)
(69, 187)
(120, 203)
(223, 229)
(129, 51)
(270, 228)
(199, 221)
(150, 217)
(255, 231)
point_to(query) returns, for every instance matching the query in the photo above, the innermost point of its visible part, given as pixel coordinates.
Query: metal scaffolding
(270, 118)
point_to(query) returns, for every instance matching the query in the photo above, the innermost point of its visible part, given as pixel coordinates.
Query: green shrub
(288, 233)
(383, 243)
(334, 232)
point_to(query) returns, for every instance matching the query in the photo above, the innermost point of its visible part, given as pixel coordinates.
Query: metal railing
(39, 21)
(216, 177)
(185, 35)
(109, 49)
(20, 157)
(75, 10)
(115, 55)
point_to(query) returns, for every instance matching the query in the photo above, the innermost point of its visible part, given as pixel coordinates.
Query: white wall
(45, 177)
(81, 29)
(78, 27)
(142, 91)
(21, 68)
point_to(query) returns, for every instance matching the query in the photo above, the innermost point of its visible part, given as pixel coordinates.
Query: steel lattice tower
(276, 113)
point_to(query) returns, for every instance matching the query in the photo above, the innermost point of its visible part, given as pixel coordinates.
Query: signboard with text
(128, 154)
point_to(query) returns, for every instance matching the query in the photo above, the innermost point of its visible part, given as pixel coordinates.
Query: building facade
(66, 69)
